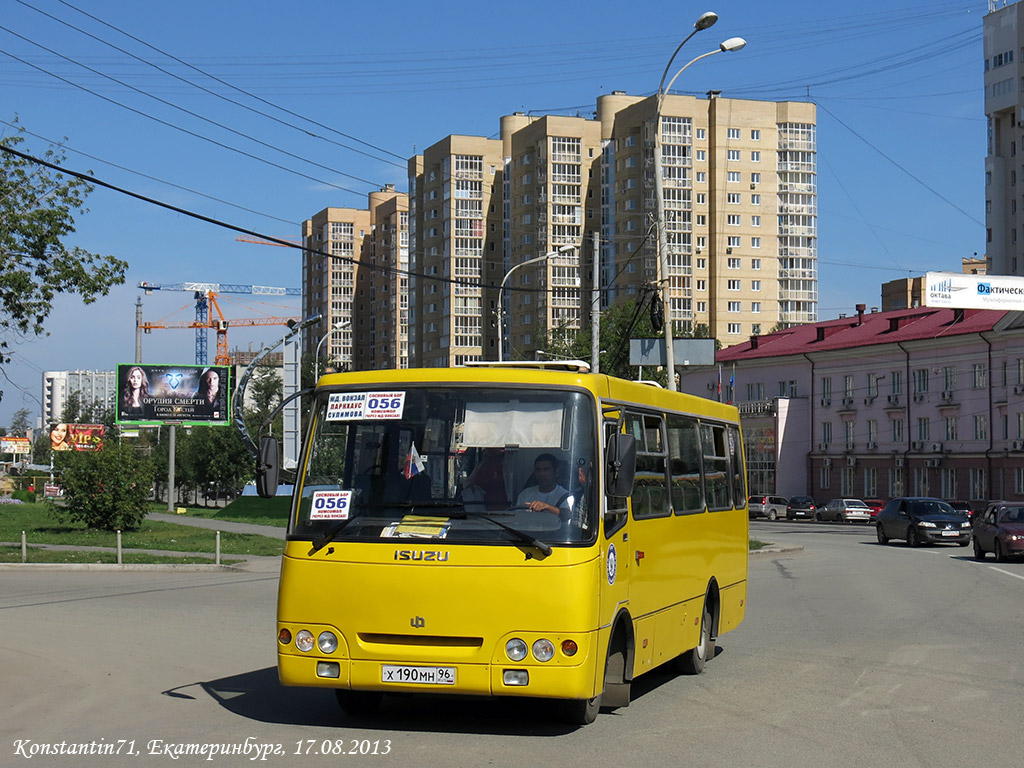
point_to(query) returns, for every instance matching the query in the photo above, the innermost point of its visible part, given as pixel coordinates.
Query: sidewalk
(271, 531)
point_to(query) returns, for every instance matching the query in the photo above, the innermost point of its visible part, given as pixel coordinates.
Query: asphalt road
(852, 654)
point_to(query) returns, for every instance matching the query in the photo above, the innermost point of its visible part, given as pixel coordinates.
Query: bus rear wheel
(692, 661)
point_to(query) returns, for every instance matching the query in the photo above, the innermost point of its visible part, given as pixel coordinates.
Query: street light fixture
(501, 293)
(316, 355)
(732, 44)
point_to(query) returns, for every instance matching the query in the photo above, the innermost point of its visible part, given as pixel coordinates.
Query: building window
(755, 263)
(978, 376)
(950, 433)
(733, 285)
(896, 427)
(826, 432)
(702, 263)
(734, 328)
(755, 307)
(755, 285)
(755, 178)
(755, 156)
(734, 306)
(733, 133)
(755, 199)
(733, 198)
(733, 242)
(755, 221)
(702, 133)
(896, 383)
(733, 176)
(702, 285)
(701, 155)
(923, 429)
(732, 154)
(979, 483)
(702, 198)
(702, 177)
(733, 263)
(981, 427)
(755, 134)
(755, 242)
(732, 220)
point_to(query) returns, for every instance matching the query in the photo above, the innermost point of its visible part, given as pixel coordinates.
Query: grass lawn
(36, 555)
(42, 528)
(245, 509)
(755, 544)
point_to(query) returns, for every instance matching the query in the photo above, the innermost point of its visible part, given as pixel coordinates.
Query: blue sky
(347, 94)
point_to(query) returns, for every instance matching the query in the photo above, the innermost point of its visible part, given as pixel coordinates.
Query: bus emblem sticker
(612, 564)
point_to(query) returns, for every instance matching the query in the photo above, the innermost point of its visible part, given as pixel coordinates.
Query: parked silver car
(772, 507)
(844, 511)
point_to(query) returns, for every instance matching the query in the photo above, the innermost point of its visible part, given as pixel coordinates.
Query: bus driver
(547, 495)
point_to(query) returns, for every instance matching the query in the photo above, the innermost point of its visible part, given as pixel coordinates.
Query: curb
(775, 551)
(151, 567)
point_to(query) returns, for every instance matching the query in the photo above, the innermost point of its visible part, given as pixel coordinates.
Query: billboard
(185, 394)
(952, 289)
(76, 437)
(15, 445)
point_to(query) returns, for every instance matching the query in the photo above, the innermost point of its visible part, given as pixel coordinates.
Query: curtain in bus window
(528, 425)
(716, 466)
(684, 464)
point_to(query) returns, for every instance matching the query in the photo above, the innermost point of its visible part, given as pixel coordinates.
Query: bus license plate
(391, 673)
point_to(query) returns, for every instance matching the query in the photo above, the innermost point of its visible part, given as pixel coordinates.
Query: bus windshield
(482, 465)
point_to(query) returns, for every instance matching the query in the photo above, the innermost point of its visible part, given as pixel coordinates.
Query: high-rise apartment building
(553, 187)
(455, 220)
(335, 241)
(1004, 109)
(740, 202)
(93, 389)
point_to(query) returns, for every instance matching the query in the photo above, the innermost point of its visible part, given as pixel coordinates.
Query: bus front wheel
(582, 711)
(692, 661)
(358, 703)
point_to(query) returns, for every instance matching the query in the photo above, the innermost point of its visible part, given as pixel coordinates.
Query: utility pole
(595, 307)
(138, 330)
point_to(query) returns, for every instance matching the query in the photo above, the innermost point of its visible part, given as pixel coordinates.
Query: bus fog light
(328, 669)
(515, 649)
(327, 642)
(304, 640)
(284, 636)
(569, 647)
(543, 650)
(516, 677)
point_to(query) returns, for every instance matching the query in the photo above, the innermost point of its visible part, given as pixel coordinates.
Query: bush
(29, 497)
(106, 489)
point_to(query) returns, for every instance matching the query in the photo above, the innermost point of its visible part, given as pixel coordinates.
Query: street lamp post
(316, 355)
(501, 293)
(732, 44)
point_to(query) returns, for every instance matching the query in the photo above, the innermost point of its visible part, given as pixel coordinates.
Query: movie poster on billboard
(186, 394)
(76, 437)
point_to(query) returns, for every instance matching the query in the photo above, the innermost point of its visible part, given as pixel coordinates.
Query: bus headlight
(327, 642)
(304, 640)
(543, 650)
(515, 649)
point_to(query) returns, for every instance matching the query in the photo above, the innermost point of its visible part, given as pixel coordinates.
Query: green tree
(106, 489)
(38, 206)
(20, 422)
(215, 459)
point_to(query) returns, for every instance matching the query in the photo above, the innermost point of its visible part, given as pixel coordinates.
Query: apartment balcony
(807, 145)
(798, 274)
(797, 231)
(798, 317)
(799, 167)
(792, 186)
(797, 209)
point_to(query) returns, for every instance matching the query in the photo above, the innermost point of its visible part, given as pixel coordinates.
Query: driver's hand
(540, 506)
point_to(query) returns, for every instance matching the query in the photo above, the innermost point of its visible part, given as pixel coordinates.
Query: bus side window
(739, 490)
(650, 497)
(616, 509)
(716, 466)
(684, 464)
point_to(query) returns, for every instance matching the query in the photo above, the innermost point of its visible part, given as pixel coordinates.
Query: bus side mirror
(620, 460)
(267, 467)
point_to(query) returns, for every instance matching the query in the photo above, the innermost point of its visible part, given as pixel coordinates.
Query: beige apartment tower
(335, 241)
(455, 220)
(740, 190)
(553, 173)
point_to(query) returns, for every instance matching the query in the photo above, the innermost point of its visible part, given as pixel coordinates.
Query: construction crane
(206, 297)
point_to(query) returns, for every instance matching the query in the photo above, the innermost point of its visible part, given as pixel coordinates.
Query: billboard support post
(170, 470)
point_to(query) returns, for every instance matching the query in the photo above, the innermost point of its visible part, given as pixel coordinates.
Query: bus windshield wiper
(544, 549)
(329, 535)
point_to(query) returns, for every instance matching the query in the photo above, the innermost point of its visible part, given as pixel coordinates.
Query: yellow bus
(508, 530)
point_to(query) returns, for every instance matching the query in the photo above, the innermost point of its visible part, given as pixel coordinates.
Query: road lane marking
(1008, 573)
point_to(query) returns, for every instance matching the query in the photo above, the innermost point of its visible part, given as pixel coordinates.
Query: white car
(844, 511)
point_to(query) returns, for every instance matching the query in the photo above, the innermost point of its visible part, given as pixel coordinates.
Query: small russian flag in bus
(413, 463)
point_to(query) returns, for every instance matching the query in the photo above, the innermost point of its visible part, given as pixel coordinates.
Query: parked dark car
(876, 505)
(922, 520)
(801, 506)
(772, 507)
(963, 507)
(1000, 530)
